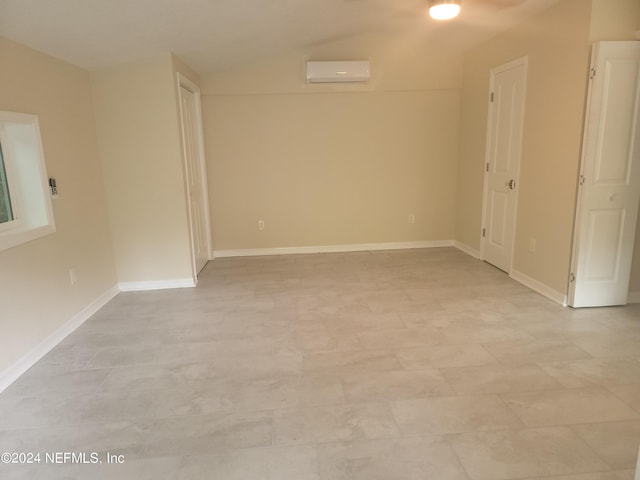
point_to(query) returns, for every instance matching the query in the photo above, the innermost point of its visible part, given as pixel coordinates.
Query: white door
(504, 146)
(195, 175)
(609, 189)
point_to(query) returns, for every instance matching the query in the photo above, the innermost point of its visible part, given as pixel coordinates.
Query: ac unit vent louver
(338, 72)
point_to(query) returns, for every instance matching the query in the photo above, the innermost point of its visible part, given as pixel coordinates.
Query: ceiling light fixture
(444, 9)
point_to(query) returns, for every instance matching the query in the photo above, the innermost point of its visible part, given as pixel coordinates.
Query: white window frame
(27, 180)
(13, 203)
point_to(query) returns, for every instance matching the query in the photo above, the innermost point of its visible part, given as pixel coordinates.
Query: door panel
(506, 117)
(604, 235)
(609, 194)
(504, 151)
(499, 212)
(615, 135)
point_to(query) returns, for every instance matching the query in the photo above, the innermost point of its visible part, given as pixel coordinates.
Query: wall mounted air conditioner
(338, 72)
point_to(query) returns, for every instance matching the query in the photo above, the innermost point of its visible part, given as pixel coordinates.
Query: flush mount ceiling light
(444, 9)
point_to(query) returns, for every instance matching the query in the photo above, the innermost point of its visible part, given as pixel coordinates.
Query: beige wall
(36, 295)
(615, 20)
(334, 164)
(557, 45)
(398, 63)
(141, 158)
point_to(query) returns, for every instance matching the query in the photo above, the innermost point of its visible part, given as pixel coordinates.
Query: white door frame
(522, 61)
(184, 82)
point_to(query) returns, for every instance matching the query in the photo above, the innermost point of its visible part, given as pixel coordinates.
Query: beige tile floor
(402, 365)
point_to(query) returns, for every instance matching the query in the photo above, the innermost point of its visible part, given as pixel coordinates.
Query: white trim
(634, 297)
(539, 287)
(357, 247)
(28, 223)
(156, 284)
(14, 371)
(467, 249)
(575, 240)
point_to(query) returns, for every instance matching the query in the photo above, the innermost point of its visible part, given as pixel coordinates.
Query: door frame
(575, 244)
(521, 61)
(184, 82)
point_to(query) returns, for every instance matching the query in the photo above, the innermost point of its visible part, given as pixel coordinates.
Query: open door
(609, 191)
(196, 175)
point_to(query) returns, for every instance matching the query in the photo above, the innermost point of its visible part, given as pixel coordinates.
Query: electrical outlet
(412, 218)
(260, 224)
(73, 275)
(532, 245)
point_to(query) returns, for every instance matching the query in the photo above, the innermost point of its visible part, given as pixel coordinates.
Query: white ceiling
(213, 34)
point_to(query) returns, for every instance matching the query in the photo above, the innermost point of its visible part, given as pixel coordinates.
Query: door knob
(511, 184)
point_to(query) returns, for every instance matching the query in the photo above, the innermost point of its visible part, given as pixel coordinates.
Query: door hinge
(484, 232)
(572, 277)
(487, 166)
(592, 73)
(582, 180)
(491, 97)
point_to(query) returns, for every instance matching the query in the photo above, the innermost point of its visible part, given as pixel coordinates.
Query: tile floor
(402, 365)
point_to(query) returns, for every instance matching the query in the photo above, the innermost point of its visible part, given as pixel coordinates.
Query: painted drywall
(557, 45)
(141, 159)
(333, 164)
(614, 20)
(35, 291)
(398, 63)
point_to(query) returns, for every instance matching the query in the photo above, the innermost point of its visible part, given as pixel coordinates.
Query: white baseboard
(156, 284)
(467, 249)
(634, 297)
(13, 372)
(359, 247)
(539, 287)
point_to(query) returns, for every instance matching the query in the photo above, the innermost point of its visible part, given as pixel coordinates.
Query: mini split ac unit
(338, 72)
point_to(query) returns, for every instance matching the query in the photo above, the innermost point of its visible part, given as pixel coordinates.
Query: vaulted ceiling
(212, 35)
